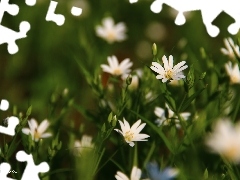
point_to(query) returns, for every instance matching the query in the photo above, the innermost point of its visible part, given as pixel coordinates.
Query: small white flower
(135, 174)
(37, 132)
(131, 134)
(225, 140)
(230, 48)
(168, 72)
(163, 120)
(115, 68)
(84, 144)
(233, 72)
(111, 32)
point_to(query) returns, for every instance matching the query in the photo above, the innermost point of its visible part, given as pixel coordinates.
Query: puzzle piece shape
(30, 2)
(10, 129)
(4, 170)
(9, 36)
(209, 10)
(76, 11)
(51, 16)
(12, 9)
(31, 171)
(4, 105)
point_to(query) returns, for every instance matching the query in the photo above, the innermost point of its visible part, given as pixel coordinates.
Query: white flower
(84, 144)
(225, 140)
(168, 72)
(131, 134)
(37, 132)
(111, 32)
(233, 72)
(115, 68)
(163, 120)
(230, 48)
(135, 174)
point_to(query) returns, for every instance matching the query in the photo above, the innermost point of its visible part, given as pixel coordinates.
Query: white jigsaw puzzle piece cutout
(210, 9)
(76, 11)
(12, 9)
(4, 105)
(31, 171)
(8, 35)
(30, 2)
(10, 129)
(51, 16)
(4, 170)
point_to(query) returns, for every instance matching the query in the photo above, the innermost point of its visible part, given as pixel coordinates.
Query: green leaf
(170, 101)
(189, 100)
(205, 175)
(29, 111)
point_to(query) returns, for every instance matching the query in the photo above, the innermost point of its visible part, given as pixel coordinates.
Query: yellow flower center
(234, 79)
(111, 36)
(117, 71)
(169, 74)
(128, 136)
(231, 153)
(37, 135)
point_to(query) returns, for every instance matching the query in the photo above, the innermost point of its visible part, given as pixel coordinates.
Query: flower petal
(43, 126)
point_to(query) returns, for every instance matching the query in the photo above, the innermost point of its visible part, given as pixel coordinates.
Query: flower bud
(129, 79)
(154, 49)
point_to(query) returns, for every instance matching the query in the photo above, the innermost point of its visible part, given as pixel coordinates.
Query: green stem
(150, 152)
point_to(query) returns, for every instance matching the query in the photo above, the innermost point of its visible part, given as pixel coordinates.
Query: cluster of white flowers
(163, 120)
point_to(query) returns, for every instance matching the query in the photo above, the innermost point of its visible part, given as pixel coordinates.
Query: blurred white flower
(84, 144)
(233, 72)
(165, 174)
(168, 72)
(131, 134)
(230, 48)
(115, 68)
(225, 140)
(37, 131)
(135, 174)
(111, 32)
(164, 120)
(150, 96)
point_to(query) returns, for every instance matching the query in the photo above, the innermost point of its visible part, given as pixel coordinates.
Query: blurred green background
(48, 59)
